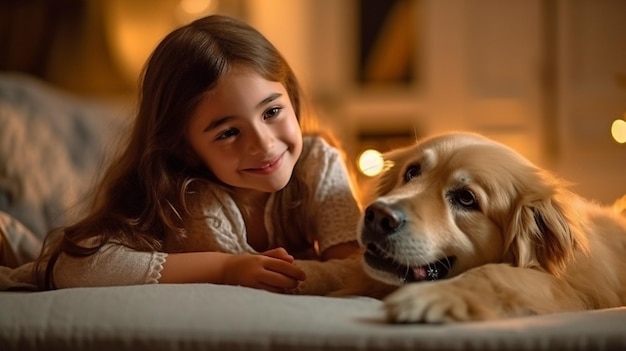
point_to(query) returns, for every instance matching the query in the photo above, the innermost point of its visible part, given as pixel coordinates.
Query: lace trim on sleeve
(156, 267)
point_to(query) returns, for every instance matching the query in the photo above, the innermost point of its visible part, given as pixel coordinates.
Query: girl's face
(246, 132)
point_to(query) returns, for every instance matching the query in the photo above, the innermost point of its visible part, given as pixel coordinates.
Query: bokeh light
(196, 7)
(618, 131)
(371, 162)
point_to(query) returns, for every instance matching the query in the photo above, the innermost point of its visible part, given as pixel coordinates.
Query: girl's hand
(279, 253)
(272, 271)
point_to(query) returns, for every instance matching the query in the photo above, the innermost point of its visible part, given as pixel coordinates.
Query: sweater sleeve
(336, 209)
(113, 265)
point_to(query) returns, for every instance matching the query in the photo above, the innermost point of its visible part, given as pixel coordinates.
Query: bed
(51, 146)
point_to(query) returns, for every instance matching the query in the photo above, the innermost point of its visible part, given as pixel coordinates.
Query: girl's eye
(464, 198)
(412, 171)
(272, 112)
(228, 133)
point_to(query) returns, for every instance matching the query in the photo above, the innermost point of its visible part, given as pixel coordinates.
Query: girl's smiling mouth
(267, 167)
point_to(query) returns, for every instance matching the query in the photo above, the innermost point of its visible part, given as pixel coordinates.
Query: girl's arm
(273, 270)
(115, 265)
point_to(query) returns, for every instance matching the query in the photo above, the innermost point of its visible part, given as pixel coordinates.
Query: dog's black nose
(382, 219)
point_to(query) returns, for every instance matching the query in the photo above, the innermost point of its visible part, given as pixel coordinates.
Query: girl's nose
(262, 140)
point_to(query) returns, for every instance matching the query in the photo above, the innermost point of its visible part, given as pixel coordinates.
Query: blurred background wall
(547, 77)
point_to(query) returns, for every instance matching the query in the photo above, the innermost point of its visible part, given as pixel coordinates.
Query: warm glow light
(371, 162)
(618, 131)
(195, 7)
(189, 10)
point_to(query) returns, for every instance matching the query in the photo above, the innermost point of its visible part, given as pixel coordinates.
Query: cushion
(219, 317)
(62, 137)
(18, 245)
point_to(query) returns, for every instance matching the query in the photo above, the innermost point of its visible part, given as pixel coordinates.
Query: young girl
(217, 183)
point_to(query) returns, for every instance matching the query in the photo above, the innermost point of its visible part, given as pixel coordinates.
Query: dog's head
(456, 201)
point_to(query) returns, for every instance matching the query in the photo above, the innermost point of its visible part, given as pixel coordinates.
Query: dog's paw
(435, 302)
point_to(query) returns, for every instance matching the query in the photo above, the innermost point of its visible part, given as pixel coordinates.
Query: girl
(217, 183)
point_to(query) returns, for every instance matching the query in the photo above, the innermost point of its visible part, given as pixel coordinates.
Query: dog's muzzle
(380, 223)
(381, 220)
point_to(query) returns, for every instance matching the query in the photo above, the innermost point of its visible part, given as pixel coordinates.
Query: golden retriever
(471, 230)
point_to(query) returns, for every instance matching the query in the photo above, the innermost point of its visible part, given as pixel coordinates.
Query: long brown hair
(141, 196)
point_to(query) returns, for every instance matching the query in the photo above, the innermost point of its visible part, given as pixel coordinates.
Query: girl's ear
(545, 231)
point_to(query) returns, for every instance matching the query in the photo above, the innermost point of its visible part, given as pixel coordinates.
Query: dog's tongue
(425, 273)
(419, 273)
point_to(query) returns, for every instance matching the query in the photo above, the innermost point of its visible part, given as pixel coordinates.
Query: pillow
(52, 145)
(18, 245)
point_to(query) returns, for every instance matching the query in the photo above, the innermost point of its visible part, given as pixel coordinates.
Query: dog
(470, 230)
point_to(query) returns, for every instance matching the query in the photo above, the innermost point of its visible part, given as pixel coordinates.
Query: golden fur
(471, 230)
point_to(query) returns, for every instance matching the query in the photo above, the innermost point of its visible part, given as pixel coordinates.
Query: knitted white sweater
(331, 204)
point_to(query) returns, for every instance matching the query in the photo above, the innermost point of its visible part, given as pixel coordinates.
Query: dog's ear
(545, 231)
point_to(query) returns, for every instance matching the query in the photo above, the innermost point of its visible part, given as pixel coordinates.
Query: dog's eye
(412, 171)
(464, 198)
